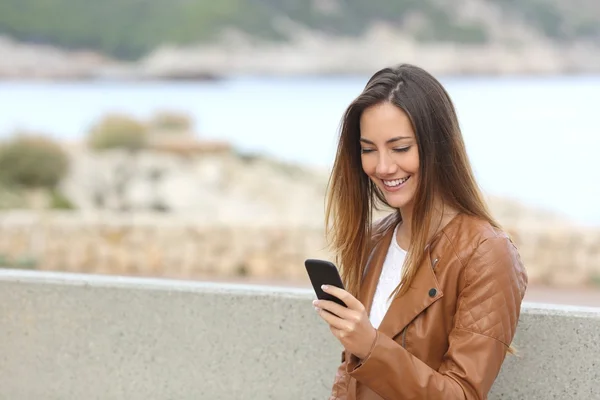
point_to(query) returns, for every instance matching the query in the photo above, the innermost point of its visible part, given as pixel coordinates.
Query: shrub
(25, 261)
(10, 197)
(5, 260)
(118, 131)
(32, 161)
(172, 121)
(59, 201)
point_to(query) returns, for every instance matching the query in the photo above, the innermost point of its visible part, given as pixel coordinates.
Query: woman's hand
(351, 326)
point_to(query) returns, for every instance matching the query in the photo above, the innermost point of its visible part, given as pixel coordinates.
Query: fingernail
(314, 302)
(324, 287)
(317, 309)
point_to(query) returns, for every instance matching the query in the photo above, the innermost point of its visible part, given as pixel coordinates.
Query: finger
(338, 333)
(334, 308)
(333, 320)
(351, 301)
(341, 334)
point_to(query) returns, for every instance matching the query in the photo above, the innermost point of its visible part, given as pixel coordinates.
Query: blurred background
(193, 139)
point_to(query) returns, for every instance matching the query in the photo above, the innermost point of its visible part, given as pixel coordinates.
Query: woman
(434, 289)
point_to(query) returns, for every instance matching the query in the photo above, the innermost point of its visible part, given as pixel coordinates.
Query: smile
(395, 183)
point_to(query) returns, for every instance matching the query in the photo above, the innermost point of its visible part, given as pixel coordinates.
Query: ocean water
(535, 139)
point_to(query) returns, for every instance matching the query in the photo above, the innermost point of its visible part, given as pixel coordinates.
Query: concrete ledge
(66, 336)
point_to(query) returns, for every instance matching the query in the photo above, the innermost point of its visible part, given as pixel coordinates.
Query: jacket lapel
(423, 292)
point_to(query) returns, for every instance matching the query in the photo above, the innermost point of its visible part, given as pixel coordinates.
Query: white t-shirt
(388, 280)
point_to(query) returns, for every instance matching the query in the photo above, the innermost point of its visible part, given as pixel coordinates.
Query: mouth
(395, 184)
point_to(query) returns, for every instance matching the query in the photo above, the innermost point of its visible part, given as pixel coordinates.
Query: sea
(535, 139)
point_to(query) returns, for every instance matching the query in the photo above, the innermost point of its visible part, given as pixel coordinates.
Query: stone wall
(188, 247)
(156, 246)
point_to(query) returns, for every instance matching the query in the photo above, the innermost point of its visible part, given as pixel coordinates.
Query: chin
(397, 205)
(397, 201)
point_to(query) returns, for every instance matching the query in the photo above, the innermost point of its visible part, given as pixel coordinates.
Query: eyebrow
(394, 139)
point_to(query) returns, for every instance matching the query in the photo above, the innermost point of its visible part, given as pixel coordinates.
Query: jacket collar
(423, 292)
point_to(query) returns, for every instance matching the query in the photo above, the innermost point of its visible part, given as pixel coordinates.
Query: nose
(385, 165)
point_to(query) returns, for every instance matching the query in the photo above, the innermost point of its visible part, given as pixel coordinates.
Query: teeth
(395, 182)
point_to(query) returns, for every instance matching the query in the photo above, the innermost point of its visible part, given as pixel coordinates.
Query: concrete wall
(68, 337)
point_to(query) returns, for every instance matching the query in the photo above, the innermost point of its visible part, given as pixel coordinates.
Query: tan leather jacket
(447, 337)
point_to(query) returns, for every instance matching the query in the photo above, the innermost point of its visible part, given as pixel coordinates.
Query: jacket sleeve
(486, 319)
(340, 384)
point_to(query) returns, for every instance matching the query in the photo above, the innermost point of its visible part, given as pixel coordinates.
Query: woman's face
(390, 156)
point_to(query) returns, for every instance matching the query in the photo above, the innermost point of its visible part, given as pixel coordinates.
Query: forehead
(383, 121)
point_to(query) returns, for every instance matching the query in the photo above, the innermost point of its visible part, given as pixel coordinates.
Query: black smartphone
(323, 272)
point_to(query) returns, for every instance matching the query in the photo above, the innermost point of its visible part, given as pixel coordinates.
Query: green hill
(128, 29)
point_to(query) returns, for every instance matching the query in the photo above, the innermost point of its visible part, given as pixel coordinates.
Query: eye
(402, 149)
(365, 151)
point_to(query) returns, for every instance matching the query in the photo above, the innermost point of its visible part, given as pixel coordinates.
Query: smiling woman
(389, 160)
(434, 289)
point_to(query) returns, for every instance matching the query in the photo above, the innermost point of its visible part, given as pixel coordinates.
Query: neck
(441, 215)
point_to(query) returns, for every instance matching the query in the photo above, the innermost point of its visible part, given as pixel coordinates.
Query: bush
(59, 201)
(5, 260)
(171, 121)
(10, 197)
(25, 262)
(118, 131)
(32, 161)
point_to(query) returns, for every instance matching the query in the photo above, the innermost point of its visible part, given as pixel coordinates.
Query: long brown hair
(445, 173)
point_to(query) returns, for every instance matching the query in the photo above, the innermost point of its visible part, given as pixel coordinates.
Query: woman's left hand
(351, 326)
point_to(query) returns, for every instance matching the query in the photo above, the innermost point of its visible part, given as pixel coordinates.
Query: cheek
(411, 162)
(414, 170)
(415, 166)
(367, 165)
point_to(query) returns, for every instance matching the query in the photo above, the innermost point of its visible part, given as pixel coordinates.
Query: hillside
(129, 29)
